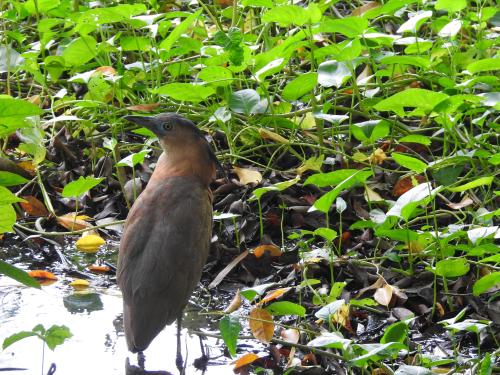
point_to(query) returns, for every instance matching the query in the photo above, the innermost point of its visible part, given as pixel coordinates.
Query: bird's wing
(165, 244)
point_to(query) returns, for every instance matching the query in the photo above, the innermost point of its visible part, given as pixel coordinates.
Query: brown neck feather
(184, 159)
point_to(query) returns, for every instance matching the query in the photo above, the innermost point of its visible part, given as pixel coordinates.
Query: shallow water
(97, 346)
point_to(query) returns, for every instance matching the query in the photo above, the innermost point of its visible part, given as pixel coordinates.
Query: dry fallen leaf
(273, 294)
(98, 269)
(248, 176)
(377, 157)
(466, 201)
(33, 206)
(106, 70)
(27, 166)
(42, 275)
(359, 11)
(80, 284)
(235, 303)
(383, 295)
(90, 243)
(70, 222)
(407, 183)
(269, 135)
(272, 250)
(244, 360)
(341, 316)
(144, 107)
(261, 324)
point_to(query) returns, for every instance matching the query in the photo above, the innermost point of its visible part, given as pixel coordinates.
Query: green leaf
(396, 332)
(331, 308)
(187, 92)
(349, 26)
(486, 282)
(13, 112)
(333, 73)
(422, 100)
(415, 138)
(484, 65)
(419, 61)
(486, 367)
(279, 186)
(286, 308)
(452, 267)
(377, 352)
(56, 335)
(450, 6)
(331, 178)
(80, 51)
(370, 131)
(232, 43)
(332, 340)
(7, 197)
(176, 33)
(7, 218)
(133, 159)
(257, 3)
(327, 233)
(481, 181)
(135, 43)
(286, 15)
(325, 202)
(18, 275)
(230, 327)
(303, 84)
(79, 187)
(11, 179)
(216, 76)
(246, 101)
(17, 337)
(409, 162)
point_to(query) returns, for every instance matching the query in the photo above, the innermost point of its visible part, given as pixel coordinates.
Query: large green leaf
(178, 31)
(303, 84)
(79, 187)
(230, 327)
(486, 282)
(422, 100)
(186, 92)
(80, 51)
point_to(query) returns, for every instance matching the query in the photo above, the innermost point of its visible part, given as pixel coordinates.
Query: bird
(167, 232)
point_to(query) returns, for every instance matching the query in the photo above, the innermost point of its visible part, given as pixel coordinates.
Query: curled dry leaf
(42, 275)
(466, 201)
(244, 360)
(106, 70)
(90, 243)
(70, 222)
(377, 157)
(359, 11)
(342, 317)
(271, 249)
(80, 284)
(235, 303)
(144, 107)
(261, 324)
(33, 206)
(383, 295)
(269, 135)
(248, 176)
(274, 294)
(291, 335)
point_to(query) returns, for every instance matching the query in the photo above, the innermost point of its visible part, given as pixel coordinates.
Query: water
(97, 346)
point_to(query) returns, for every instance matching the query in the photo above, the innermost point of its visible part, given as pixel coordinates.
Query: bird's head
(170, 128)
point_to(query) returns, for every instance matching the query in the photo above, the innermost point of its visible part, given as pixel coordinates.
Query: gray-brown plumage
(167, 232)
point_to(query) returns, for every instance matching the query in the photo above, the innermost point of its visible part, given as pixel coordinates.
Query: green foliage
(52, 337)
(79, 187)
(230, 327)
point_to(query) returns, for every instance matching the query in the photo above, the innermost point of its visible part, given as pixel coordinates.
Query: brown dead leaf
(261, 324)
(35, 99)
(383, 295)
(341, 316)
(144, 107)
(271, 249)
(410, 148)
(244, 360)
(248, 176)
(269, 135)
(377, 284)
(235, 303)
(359, 11)
(33, 206)
(291, 335)
(371, 195)
(69, 222)
(106, 70)
(407, 183)
(27, 166)
(273, 294)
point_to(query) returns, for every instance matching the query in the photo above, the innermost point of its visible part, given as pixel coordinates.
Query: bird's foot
(141, 360)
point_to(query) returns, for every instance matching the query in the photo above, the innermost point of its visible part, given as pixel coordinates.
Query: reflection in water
(98, 343)
(80, 302)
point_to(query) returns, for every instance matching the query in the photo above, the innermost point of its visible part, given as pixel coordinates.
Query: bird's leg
(141, 360)
(179, 362)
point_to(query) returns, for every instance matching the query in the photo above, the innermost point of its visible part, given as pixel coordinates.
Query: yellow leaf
(383, 295)
(235, 303)
(244, 360)
(90, 243)
(248, 176)
(79, 284)
(378, 156)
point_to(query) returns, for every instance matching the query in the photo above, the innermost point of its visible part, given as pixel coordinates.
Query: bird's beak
(146, 121)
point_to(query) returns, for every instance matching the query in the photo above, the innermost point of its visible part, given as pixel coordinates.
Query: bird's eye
(167, 126)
